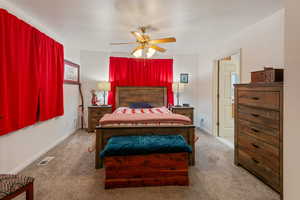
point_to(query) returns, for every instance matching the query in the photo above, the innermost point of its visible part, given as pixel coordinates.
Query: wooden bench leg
(29, 192)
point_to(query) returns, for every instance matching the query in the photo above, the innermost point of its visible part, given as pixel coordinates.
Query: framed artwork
(184, 78)
(72, 73)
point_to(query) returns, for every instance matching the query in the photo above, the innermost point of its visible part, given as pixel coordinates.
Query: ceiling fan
(145, 44)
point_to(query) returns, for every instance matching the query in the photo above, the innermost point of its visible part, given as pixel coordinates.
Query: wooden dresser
(258, 131)
(187, 111)
(95, 114)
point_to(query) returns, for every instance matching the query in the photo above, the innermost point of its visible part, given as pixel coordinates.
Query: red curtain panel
(25, 73)
(18, 74)
(140, 72)
(51, 70)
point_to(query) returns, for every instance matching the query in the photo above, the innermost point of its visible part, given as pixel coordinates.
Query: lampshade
(150, 52)
(104, 86)
(178, 87)
(138, 53)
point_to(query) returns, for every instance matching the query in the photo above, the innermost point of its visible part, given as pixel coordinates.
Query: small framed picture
(184, 78)
(72, 73)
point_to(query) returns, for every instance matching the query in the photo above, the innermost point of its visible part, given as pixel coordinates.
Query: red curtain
(140, 72)
(23, 74)
(51, 68)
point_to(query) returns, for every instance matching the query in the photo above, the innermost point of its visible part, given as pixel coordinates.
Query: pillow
(140, 105)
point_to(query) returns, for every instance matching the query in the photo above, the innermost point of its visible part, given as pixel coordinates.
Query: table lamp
(177, 88)
(104, 86)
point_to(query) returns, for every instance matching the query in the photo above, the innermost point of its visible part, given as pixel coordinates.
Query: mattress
(129, 117)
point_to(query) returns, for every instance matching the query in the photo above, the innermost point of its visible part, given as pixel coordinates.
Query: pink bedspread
(144, 118)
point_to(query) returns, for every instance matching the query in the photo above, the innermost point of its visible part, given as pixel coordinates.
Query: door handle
(254, 130)
(255, 145)
(255, 98)
(254, 115)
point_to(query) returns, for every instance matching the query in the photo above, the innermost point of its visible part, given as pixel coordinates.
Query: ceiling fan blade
(138, 36)
(163, 40)
(137, 48)
(119, 43)
(157, 48)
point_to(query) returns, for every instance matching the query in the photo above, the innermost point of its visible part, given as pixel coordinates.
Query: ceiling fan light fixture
(138, 53)
(150, 52)
(146, 47)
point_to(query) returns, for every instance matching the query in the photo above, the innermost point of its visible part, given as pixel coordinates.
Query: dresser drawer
(95, 121)
(95, 114)
(186, 111)
(262, 99)
(98, 112)
(267, 152)
(257, 167)
(260, 132)
(267, 118)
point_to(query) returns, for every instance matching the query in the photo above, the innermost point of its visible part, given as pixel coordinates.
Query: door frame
(215, 80)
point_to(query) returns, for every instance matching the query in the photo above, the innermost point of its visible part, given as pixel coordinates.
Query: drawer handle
(255, 145)
(254, 115)
(254, 160)
(255, 98)
(254, 130)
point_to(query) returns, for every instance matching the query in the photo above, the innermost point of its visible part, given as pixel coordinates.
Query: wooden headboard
(156, 96)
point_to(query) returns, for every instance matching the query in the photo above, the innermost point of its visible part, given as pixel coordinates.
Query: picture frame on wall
(184, 78)
(71, 73)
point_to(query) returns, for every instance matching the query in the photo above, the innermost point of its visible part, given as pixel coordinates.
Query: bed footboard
(104, 133)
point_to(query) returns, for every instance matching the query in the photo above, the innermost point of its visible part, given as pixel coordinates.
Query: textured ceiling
(197, 24)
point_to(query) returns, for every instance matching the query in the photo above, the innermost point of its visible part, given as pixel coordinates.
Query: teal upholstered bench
(150, 160)
(13, 185)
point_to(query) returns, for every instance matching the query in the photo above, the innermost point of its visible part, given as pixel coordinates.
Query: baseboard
(205, 130)
(39, 154)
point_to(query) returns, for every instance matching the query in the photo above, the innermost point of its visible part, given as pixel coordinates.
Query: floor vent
(45, 161)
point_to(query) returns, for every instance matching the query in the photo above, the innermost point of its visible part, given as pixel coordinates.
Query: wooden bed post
(99, 147)
(192, 143)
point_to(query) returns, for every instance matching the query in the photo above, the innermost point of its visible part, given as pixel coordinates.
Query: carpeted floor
(71, 176)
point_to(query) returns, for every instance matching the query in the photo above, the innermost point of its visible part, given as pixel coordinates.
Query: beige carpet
(71, 175)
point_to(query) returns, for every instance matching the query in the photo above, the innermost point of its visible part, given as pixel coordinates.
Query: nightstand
(187, 111)
(95, 114)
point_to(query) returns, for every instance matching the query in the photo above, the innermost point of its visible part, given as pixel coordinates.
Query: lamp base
(178, 106)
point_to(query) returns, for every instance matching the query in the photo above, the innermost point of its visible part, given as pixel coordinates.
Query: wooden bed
(156, 96)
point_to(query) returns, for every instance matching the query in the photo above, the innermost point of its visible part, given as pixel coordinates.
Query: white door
(228, 75)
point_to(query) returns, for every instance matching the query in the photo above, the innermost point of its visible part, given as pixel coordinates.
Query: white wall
(291, 135)
(96, 67)
(261, 44)
(188, 64)
(205, 92)
(20, 148)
